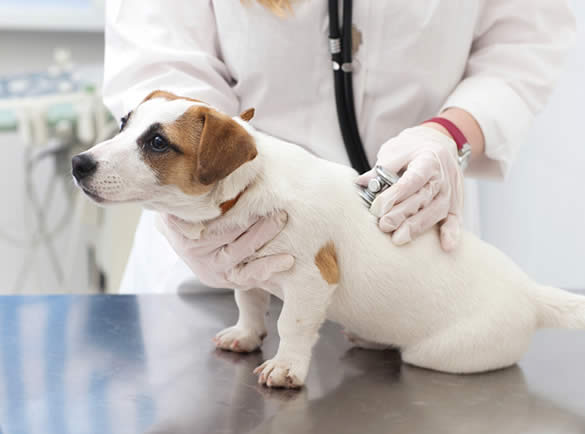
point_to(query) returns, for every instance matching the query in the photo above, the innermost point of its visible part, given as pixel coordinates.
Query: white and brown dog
(468, 311)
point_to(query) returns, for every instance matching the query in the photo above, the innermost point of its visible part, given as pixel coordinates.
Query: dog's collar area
(229, 204)
(224, 207)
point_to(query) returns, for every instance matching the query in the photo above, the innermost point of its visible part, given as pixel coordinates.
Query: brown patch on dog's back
(326, 262)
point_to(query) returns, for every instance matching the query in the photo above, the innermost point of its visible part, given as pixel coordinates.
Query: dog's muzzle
(377, 185)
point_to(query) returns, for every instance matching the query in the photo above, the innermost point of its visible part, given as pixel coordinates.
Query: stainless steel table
(123, 364)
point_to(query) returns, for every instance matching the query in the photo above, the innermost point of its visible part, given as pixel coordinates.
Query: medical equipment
(377, 185)
(340, 46)
(57, 113)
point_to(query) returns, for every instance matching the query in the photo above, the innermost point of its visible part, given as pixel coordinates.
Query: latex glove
(220, 260)
(429, 192)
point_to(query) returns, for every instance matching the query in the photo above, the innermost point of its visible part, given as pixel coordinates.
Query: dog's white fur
(471, 310)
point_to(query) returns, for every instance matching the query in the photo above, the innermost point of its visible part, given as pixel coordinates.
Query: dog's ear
(224, 146)
(248, 114)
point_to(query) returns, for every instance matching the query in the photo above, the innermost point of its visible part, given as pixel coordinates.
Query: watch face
(464, 155)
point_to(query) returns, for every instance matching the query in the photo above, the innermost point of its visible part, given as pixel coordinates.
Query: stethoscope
(340, 46)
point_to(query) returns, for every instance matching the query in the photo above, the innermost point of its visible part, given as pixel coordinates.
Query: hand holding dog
(430, 190)
(219, 261)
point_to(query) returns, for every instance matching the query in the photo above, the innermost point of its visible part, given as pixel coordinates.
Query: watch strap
(453, 130)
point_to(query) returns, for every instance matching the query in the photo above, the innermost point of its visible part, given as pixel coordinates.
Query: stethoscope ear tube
(341, 58)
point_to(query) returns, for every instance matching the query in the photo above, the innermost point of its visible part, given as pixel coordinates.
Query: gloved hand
(220, 260)
(430, 190)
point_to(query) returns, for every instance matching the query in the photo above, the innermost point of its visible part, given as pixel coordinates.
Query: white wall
(538, 215)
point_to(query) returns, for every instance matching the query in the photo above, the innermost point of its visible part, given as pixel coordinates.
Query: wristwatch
(463, 146)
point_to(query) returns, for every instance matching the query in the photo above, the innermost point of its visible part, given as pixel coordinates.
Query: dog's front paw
(238, 339)
(280, 372)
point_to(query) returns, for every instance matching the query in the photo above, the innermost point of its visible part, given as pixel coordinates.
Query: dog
(468, 311)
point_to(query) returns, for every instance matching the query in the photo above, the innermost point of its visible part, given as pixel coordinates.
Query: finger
(407, 208)
(211, 241)
(227, 235)
(260, 270)
(450, 232)
(419, 172)
(364, 178)
(421, 221)
(174, 231)
(260, 233)
(179, 233)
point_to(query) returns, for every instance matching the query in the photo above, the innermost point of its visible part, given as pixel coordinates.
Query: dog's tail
(560, 309)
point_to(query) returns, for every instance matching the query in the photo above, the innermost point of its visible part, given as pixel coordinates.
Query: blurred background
(53, 240)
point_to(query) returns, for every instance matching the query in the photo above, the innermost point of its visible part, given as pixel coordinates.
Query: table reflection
(122, 364)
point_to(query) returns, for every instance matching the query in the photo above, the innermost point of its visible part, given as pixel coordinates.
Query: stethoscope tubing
(343, 84)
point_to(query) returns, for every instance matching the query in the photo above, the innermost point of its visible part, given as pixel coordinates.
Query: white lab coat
(497, 59)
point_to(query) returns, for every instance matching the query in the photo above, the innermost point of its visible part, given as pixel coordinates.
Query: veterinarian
(487, 66)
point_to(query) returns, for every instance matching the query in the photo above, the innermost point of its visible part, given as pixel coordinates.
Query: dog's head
(169, 149)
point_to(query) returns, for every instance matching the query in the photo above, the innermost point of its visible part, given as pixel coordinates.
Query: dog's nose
(83, 166)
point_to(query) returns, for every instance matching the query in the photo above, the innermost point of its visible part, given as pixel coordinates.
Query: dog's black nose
(83, 166)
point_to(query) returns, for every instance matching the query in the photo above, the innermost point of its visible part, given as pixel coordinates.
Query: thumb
(364, 178)
(450, 232)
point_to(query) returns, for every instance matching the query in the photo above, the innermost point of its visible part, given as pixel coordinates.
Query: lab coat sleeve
(164, 45)
(518, 53)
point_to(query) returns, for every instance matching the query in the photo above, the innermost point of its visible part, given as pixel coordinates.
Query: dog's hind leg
(474, 345)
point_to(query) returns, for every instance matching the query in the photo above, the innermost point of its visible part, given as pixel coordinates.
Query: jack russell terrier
(467, 311)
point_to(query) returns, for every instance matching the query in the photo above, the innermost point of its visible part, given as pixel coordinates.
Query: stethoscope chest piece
(377, 185)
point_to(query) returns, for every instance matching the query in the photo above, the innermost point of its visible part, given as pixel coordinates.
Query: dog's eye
(124, 121)
(158, 144)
